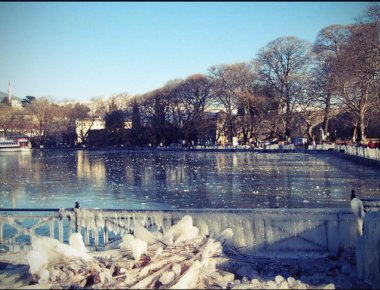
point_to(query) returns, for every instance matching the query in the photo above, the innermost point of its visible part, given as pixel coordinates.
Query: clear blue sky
(70, 50)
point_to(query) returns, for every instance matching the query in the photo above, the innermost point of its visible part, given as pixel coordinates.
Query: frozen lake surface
(170, 180)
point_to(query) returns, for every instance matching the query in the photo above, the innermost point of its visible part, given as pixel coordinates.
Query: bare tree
(69, 114)
(228, 83)
(280, 65)
(328, 47)
(42, 116)
(359, 69)
(190, 99)
(155, 114)
(6, 117)
(97, 109)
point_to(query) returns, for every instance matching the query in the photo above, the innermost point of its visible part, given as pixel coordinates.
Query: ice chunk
(279, 279)
(143, 234)
(136, 246)
(225, 236)
(46, 247)
(291, 282)
(68, 251)
(37, 261)
(76, 241)
(188, 280)
(182, 226)
(177, 269)
(44, 277)
(187, 235)
(358, 210)
(167, 277)
(368, 250)
(45, 251)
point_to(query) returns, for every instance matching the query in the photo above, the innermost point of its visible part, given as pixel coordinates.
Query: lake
(123, 179)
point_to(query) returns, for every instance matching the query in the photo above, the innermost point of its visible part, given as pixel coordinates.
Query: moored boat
(15, 144)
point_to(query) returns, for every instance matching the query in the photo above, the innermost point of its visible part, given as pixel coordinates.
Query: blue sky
(79, 50)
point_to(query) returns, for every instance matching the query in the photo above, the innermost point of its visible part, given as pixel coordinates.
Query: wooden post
(105, 233)
(96, 238)
(70, 227)
(1, 232)
(77, 206)
(60, 230)
(87, 237)
(52, 228)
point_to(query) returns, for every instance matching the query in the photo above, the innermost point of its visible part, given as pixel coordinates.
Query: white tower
(9, 93)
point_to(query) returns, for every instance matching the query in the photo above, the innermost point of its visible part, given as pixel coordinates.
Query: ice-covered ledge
(255, 230)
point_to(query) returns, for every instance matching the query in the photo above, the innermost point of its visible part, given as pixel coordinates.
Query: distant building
(15, 101)
(8, 98)
(83, 127)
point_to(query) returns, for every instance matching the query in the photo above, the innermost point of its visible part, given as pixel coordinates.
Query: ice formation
(136, 246)
(76, 241)
(176, 266)
(199, 262)
(47, 251)
(358, 210)
(368, 250)
(253, 230)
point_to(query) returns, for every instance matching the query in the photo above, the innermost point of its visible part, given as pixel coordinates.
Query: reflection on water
(158, 180)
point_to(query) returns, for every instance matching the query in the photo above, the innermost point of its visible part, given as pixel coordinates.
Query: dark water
(166, 180)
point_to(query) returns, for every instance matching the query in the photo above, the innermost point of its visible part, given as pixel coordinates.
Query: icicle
(60, 230)
(52, 229)
(188, 280)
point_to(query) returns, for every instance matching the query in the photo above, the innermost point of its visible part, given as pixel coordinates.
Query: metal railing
(257, 229)
(370, 153)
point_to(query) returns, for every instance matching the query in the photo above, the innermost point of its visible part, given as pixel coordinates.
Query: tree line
(291, 86)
